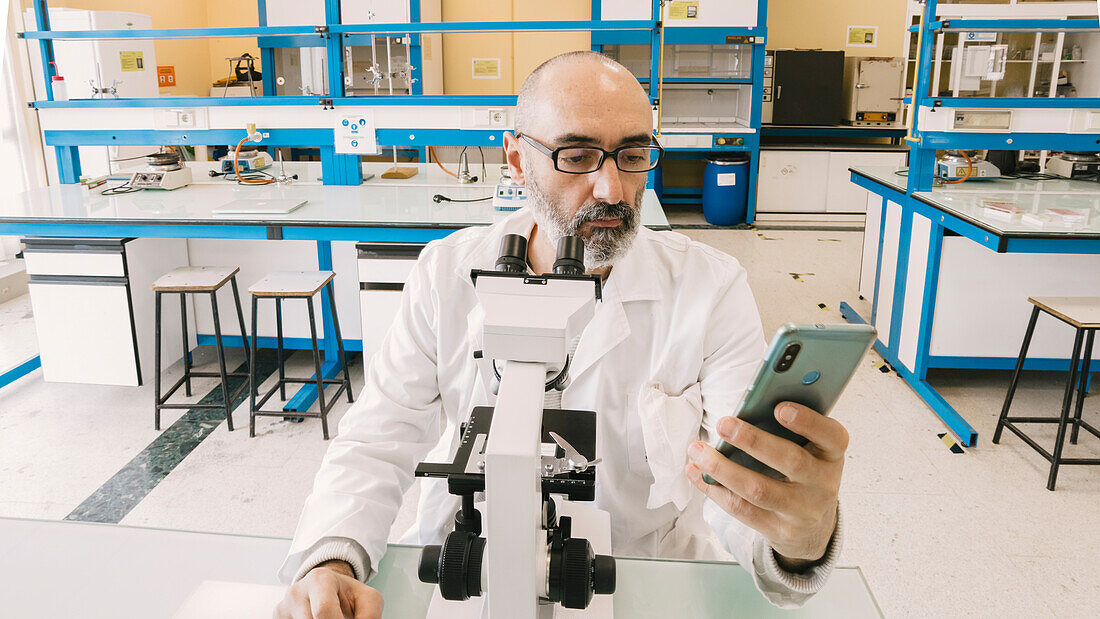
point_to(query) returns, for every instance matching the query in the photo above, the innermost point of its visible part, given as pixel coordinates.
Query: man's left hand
(797, 515)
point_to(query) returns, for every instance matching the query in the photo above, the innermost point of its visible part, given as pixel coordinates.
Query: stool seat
(291, 283)
(194, 279)
(1081, 312)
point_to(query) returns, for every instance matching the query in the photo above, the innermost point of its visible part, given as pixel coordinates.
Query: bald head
(578, 83)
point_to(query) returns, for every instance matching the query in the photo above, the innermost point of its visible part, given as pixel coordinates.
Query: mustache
(603, 210)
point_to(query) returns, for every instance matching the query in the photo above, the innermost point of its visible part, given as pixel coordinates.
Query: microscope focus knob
(455, 566)
(576, 591)
(603, 574)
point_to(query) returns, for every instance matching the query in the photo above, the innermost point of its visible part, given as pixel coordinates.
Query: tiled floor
(936, 534)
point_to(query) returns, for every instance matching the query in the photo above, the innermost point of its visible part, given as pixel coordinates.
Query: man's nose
(607, 182)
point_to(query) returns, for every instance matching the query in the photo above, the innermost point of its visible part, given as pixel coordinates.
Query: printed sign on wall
(862, 36)
(486, 68)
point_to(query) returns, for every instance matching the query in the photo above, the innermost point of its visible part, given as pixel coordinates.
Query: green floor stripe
(122, 492)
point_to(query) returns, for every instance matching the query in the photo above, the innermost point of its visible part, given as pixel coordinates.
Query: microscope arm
(513, 494)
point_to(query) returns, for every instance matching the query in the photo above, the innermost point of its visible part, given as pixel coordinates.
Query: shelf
(1012, 25)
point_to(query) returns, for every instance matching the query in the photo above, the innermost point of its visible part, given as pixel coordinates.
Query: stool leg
(279, 347)
(240, 321)
(221, 361)
(252, 386)
(339, 340)
(317, 366)
(1066, 402)
(156, 363)
(1083, 387)
(1016, 374)
(186, 346)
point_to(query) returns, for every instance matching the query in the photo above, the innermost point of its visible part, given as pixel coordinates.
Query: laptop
(259, 206)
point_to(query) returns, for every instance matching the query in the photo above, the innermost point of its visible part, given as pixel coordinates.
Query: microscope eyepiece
(513, 254)
(570, 256)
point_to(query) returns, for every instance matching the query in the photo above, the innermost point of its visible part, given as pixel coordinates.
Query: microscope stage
(464, 475)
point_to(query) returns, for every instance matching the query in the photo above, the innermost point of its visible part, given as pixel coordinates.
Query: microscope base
(588, 522)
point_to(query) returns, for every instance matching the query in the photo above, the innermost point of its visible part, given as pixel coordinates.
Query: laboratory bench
(945, 274)
(91, 259)
(91, 570)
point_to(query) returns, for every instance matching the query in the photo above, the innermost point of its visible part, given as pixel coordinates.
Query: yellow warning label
(486, 68)
(862, 36)
(683, 9)
(132, 61)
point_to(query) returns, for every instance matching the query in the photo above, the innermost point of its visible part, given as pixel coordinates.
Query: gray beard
(602, 246)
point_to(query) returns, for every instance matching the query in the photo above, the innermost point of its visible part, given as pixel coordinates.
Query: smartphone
(806, 364)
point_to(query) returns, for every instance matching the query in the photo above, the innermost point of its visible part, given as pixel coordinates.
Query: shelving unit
(927, 262)
(415, 120)
(710, 80)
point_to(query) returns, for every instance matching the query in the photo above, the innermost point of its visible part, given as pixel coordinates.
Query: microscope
(531, 462)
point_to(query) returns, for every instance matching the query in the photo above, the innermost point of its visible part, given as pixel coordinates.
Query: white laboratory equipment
(872, 91)
(99, 69)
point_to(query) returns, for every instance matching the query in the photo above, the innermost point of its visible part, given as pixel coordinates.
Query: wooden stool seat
(194, 279)
(291, 284)
(1081, 312)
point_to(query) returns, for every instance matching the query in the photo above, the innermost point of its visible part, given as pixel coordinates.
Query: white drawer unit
(93, 307)
(816, 181)
(383, 270)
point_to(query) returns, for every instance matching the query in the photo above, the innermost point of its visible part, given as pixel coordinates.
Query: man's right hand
(330, 591)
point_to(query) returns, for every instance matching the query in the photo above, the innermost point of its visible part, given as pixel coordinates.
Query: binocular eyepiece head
(513, 255)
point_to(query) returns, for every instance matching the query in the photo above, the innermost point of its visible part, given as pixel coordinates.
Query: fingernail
(696, 450)
(727, 427)
(786, 413)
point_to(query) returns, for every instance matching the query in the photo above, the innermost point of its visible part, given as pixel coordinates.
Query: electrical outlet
(181, 118)
(498, 119)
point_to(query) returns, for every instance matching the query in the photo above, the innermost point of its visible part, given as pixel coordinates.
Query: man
(670, 350)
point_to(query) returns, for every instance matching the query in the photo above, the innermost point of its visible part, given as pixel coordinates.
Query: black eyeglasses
(588, 159)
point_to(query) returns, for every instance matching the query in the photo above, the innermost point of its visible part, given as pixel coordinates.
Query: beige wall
(818, 24)
(222, 14)
(519, 53)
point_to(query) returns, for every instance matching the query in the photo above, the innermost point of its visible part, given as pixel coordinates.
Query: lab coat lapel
(631, 280)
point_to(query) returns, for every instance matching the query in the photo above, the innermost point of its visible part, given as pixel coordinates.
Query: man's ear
(514, 157)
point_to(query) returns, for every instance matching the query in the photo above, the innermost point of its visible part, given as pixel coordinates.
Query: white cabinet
(312, 12)
(791, 181)
(93, 307)
(815, 181)
(686, 13)
(841, 194)
(383, 270)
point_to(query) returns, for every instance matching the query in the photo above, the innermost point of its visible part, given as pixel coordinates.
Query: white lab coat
(669, 351)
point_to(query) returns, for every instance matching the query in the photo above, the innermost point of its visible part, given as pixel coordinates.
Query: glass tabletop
(887, 175)
(1022, 213)
(372, 204)
(655, 588)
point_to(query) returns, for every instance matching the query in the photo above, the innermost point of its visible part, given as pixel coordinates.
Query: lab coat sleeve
(733, 348)
(391, 427)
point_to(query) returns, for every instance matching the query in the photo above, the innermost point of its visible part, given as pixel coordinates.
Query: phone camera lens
(788, 358)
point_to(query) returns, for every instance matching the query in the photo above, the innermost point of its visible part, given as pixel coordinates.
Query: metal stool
(198, 280)
(299, 285)
(1082, 313)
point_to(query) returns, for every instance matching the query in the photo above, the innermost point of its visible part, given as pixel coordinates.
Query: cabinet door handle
(778, 91)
